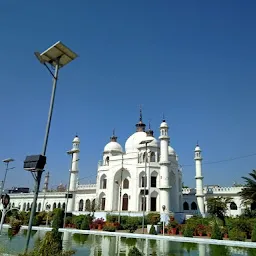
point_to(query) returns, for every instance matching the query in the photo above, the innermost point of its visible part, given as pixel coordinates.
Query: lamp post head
(8, 160)
(59, 52)
(146, 141)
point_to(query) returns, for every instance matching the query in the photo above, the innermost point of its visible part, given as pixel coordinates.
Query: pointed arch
(125, 202)
(28, 206)
(153, 179)
(154, 201)
(107, 160)
(152, 157)
(103, 181)
(39, 207)
(59, 205)
(193, 206)
(54, 206)
(81, 205)
(233, 206)
(88, 205)
(102, 200)
(93, 205)
(142, 179)
(144, 157)
(64, 206)
(24, 207)
(125, 184)
(185, 206)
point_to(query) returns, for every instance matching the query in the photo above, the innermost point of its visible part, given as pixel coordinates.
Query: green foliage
(153, 218)
(248, 213)
(132, 224)
(109, 228)
(254, 233)
(127, 222)
(188, 231)
(216, 232)
(248, 193)
(134, 252)
(217, 206)
(216, 250)
(48, 246)
(243, 224)
(77, 220)
(236, 234)
(85, 223)
(152, 230)
(57, 221)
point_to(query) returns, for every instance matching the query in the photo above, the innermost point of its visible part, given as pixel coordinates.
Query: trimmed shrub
(152, 230)
(85, 223)
(188, 231)
(153, 218)
(236, 234)
(57, 221)
(216, 232)
(134, 252)
(254, 233)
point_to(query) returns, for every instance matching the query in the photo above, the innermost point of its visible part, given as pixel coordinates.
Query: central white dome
(134, 140)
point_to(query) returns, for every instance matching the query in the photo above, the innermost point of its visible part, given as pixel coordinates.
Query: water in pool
(100, 245)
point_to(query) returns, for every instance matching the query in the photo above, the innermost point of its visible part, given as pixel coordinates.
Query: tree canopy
(248, 193)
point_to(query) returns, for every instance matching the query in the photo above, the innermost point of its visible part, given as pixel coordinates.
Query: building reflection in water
(99, 245)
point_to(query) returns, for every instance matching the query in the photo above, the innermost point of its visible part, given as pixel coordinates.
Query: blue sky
(192, 60)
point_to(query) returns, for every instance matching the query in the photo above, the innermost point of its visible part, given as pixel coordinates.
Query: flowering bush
(99, 221)
(201, 229)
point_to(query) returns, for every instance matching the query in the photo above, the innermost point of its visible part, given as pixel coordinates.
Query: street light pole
(144, 192)
(58, 56)
(6, 161)
(145, 142)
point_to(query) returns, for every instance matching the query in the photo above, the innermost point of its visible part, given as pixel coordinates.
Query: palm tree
(248, 193)
(217, 206)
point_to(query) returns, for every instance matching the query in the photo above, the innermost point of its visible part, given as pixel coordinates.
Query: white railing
(216, 190)
(86, 186)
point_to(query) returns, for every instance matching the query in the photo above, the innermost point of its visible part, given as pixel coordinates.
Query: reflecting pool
(102, 245)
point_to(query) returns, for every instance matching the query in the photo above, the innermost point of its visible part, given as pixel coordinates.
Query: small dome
(163, 124)
(76, 140)
(197, 148)
(113, 146)
(171, 151)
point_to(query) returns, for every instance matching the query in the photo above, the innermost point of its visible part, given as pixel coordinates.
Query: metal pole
(144, 196)
(39, 173)
(2, 220)
(5, 174)
(120, 195)
(66, 206)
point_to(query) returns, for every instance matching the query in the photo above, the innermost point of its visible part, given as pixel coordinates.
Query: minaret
(164, 168)
(75, 158)
(199, 180)
(46, 182)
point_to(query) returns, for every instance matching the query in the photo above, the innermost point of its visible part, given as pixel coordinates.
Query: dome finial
(140, 125)
(140, 113)
(197, 143)
(113, 137)
(149, 131)
(163, 118)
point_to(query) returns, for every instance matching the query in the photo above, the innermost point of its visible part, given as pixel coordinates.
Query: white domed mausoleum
(145, 175)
